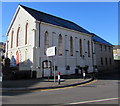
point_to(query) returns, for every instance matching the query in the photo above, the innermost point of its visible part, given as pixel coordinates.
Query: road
(101, 91)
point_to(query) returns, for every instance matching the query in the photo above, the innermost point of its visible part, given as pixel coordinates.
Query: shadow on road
(25, 83)
(31, 82)
(109, 76)
(18, 84)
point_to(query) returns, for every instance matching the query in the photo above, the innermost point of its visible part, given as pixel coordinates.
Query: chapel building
(31, 32)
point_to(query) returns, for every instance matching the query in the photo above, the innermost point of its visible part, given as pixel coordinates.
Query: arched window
(17, 58)
(80, 45)
(12, 39)
(18, 35)
(60, 45)
(26, 33)
(71, 46)
(46, 42)
(88, 48)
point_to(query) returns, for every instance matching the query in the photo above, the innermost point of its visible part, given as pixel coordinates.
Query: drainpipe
(7, 48)
(40, 60)
(85, 53)
(76, 51)
(37, 46)
(92, 47)
(39, 33)
(34, 51)
(65, 52)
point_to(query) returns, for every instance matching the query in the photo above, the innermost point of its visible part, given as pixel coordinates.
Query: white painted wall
(65, 59)
(20, 20)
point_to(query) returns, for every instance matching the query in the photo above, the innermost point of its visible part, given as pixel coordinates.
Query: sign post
(54, 70)
(48, 68)
(51, 51)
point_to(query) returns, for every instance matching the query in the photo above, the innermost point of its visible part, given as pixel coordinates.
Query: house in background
(102, 54)
(116, 52)
(2, 49)
(2, 55)
(31, 32)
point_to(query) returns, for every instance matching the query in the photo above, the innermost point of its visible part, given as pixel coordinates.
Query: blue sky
(100, 18)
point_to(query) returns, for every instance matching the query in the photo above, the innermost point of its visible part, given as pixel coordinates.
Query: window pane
(12, 39)
(18, 36)
(88, 48)
(46, 42)
(60, 45)
(80, 47)
(71, 46)
(26, 33)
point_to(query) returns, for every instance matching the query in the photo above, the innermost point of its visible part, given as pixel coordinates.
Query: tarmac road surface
(102, 91)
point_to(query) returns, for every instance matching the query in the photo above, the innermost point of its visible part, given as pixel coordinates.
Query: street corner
(48, 87)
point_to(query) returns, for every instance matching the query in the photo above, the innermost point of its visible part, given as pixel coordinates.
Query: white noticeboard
(51, 51)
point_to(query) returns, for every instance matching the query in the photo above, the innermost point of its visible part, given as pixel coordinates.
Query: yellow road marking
(52, 89)
(65, 87)
(87, 83)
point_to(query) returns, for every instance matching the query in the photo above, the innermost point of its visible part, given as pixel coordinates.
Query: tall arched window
(80, 45)
(12, 39)
(46, 42)
(71, 46)
(26, 33)
(60, 45)
(18, 35)
(88, 48)
(17, 58)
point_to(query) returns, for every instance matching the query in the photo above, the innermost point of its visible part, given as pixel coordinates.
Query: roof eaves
(100, 40)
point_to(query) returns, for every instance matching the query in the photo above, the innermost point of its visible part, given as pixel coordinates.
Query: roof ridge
(62, 19)
(106, 42)
(49, 14)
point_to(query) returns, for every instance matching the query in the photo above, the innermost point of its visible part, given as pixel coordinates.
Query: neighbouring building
(2, 49)
(31, 32)
(116, 52)
(102, 54)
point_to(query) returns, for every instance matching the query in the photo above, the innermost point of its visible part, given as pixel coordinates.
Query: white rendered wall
(21, 19)
(65, 59)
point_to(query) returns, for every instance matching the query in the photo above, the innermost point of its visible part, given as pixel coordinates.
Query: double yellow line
(52, 88)
(65, 87)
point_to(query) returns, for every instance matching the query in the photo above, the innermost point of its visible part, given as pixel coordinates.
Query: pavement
(43, 83)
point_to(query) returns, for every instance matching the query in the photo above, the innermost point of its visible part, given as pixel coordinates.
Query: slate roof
(44, 17)
(100, 40)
